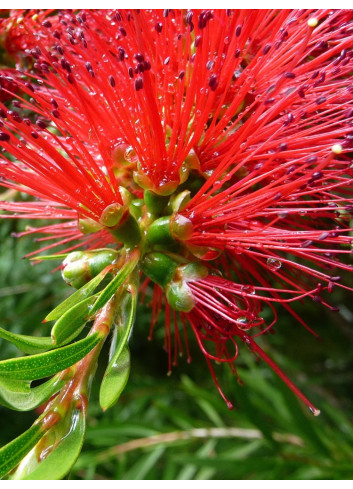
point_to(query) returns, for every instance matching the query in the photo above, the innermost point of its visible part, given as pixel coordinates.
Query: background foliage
(178, 427)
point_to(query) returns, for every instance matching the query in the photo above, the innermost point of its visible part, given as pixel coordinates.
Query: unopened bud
(168, 229)
(179, 201)
(80, 267)
(184, 172)
(126, 196)
(192, 271)
(112, 215)
(155, 203)
(159, 267)
(87, 226)
(163, 189)
(192, 160)
(179, 296)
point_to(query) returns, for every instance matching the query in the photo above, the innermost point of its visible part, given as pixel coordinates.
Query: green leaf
(19, 396)
(27, 344)
(118, 280)
(80, 294)
(59, 462)
(140, 469)
(50, 257)
(115, 380)
(118, 369)
(72, 322)
(49, 363)
(12, 453)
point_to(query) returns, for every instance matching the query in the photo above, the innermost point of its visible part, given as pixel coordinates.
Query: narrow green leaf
(49, 257)
(115, 380)
(27, 344)
(118, 280)
(59, 462)
(49, 363)
(118, 369)
(140, 469)
(12, 453)
(72, 322)
(80, 294)
(19, 396)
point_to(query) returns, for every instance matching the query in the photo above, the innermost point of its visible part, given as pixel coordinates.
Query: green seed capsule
(80, 267)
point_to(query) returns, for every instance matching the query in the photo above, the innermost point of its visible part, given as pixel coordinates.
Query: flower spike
(199, 158)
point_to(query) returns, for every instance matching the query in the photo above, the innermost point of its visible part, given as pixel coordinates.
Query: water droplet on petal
(248, 289)
(243, 323)
(130, 155)
(274, 264)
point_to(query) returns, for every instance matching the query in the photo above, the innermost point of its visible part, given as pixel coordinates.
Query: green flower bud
(121, 224)
(192, 160)
(179, 201)
(184, 172)
(80, 267)
(127, 231)
(146, 183)
(136, 208)
(168, 229)
(126, 196)
(159, 267)
(192, 271)
(112, 215)
(87, 226)
(155, 203)
(179, 296)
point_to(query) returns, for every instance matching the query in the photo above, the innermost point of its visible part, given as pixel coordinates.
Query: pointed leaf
(12, 453)
(27, 344)
(115, 380)
(49, 363)
(117, 281)
(80, 294)
(59, 462)
(118, 369)
(19, 396)
(72, 322)
(49, 257)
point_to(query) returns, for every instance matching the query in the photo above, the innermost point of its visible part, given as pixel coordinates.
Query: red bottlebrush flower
(216, 141)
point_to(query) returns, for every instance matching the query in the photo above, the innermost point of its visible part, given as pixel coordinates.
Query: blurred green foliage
(178, 427)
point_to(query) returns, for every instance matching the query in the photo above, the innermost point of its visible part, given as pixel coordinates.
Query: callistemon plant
(197, 160)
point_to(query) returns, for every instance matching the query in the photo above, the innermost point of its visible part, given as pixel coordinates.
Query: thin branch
(196, 433)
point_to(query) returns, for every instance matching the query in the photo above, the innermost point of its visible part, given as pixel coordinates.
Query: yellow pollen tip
(35, 17)
(19, 20)
(337, 149)
(313, 22)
